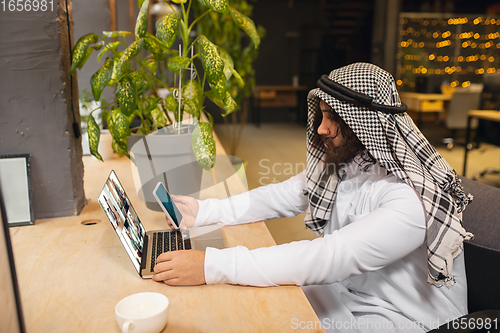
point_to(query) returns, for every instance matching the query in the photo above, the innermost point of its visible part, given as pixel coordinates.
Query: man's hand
(181, 268)
(189, 209)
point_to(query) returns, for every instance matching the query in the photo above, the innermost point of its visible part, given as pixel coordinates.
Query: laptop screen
(123, 218)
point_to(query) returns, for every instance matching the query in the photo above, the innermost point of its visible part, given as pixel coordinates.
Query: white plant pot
(166, 158)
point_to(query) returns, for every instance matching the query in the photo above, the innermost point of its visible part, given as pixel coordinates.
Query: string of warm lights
(460, 49)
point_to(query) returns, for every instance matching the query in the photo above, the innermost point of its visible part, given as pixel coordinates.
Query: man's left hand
(181, 268)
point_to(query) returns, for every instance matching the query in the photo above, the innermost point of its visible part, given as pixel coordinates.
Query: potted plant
(133, 73)
(224, 32)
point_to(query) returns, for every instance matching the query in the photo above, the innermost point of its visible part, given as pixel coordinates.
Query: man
(385, 201)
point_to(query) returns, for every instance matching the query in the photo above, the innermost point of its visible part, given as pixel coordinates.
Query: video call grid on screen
(123, 218)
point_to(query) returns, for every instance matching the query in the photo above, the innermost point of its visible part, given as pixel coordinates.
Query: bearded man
(385, 202)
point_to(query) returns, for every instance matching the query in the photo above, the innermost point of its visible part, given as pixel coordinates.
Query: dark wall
(37, 109)
(287, 28)
(91, 16)
(95, 16)
(309, 38)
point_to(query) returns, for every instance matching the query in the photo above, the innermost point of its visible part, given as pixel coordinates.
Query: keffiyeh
(398, 146)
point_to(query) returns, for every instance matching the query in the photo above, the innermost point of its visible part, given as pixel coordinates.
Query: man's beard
(337, 158)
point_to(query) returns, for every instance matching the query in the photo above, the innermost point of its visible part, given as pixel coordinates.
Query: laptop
(143, 247)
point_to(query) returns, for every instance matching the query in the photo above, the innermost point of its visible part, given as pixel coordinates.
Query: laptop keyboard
(164, 242)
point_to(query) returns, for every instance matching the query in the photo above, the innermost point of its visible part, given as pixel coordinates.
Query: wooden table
(490, 115)
(424, 103)
(275, 96)
(72, 271)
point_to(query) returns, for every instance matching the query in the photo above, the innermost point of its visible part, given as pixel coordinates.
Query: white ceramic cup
(142, 313)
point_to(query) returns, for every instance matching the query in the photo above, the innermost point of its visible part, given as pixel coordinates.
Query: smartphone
(167, 204)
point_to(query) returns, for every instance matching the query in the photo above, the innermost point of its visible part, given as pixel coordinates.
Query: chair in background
(482, 258)
(463, 100)
(489, 131)
(490, 99)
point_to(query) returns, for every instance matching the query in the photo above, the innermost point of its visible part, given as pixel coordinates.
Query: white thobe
(369, 270)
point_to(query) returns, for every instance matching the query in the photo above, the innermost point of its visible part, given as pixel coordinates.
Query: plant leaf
(120, 127)
(218, 101)
(166, 28)
(80, 49)
(113, 34)
(145, 128)
(229, 68)
(219, 88)
(178, 116)
(179, 1)
(138, 79)
(152, 103)
(245, 23)
(229, 104)
(120, 146)
(190, 107)
(228, 63)
(152, 44)
(204, 145)
(100, 79)
(152, 65)
(210, 118)
(220, 6)
(130, 52)
(140, 2)
(176, 63)
(110, 47)
(237, 77)
(162, 45)
(171, 103)
(192, 90)
(87, 56)
(159, 117)
(98, 46)
(141, 24)
(210, 59)
(94, 135)
(126, 96)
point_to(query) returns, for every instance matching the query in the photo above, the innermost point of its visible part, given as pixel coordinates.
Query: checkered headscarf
(398, 146)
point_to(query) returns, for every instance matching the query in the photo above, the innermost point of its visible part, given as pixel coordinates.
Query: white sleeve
(266, 202)
(389, 233)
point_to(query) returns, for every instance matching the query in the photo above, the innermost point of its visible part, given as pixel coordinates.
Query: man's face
(329, 129)
(340, 150)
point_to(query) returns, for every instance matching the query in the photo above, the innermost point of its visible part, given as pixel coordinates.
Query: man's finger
(162, 267)
(168, 222)
(165, 256)
(164, 276)
(174, 282)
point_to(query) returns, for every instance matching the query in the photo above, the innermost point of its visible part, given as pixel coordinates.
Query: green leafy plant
(133, 71)
(224, 30)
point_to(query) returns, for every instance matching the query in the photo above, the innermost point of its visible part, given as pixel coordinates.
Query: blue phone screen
(169, 205)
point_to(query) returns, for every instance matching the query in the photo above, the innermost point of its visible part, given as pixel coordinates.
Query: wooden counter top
(72, 275)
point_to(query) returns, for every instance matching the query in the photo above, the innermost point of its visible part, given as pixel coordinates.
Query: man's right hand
(189, 209)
